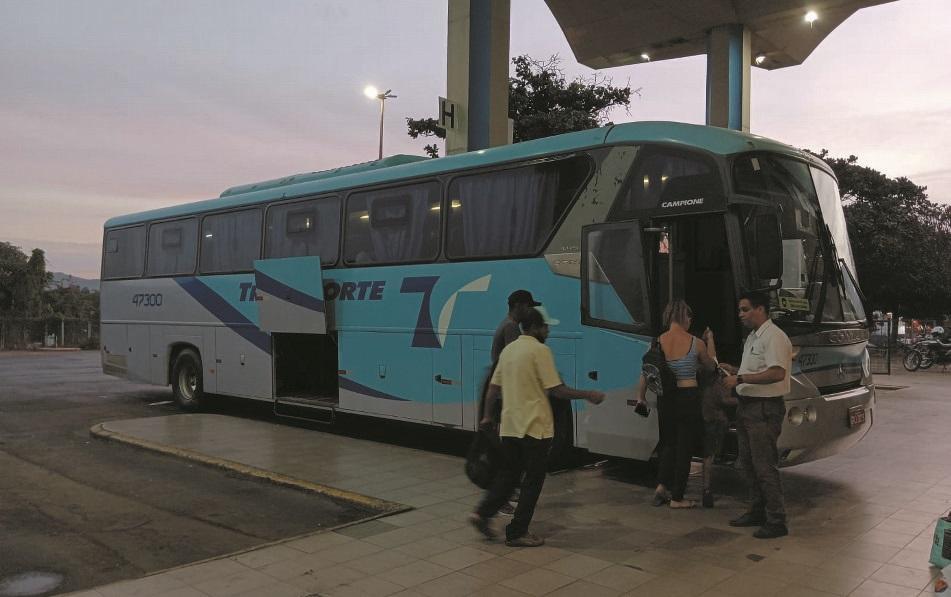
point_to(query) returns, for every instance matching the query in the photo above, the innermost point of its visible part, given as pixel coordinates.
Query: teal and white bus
(375, 289)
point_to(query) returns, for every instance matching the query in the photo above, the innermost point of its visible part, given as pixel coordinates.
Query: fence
(880, 344)
(22, 333)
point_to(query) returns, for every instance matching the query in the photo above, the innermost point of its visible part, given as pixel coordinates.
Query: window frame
(646, 150)
(197, 218)
(340, 196)
(345, 215)
(556, 225)
(145, 252)
(647, 329)
(252, 207)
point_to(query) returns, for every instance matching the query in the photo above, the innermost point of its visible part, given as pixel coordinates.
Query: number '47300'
(147, 300)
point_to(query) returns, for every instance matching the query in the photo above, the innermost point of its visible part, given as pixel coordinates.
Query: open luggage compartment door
(290, 295)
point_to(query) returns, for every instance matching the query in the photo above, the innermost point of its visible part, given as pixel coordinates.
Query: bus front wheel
(187, 382)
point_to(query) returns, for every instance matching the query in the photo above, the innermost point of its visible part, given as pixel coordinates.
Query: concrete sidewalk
(861, 522)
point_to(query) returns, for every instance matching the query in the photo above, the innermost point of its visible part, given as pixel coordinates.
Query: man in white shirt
(761, 382)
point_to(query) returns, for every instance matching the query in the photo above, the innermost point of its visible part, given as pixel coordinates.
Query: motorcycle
(927, 353)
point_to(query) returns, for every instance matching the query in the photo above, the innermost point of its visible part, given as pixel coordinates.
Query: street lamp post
(372, 92)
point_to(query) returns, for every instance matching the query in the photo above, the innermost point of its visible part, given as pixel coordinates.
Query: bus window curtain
(402, 228)
(506, 213)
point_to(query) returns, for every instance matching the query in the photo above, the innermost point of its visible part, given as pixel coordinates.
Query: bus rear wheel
(187, 386)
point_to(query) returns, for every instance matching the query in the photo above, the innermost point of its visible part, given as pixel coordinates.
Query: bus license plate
(856, 416)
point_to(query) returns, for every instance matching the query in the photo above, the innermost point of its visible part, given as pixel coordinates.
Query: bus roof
(400, 167)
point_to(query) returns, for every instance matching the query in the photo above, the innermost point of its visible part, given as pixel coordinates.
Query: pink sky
(110, 107)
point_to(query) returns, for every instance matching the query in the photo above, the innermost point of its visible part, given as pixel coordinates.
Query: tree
(542, 103)
(900, 239)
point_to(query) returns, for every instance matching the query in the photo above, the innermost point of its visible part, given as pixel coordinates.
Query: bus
(375, 289)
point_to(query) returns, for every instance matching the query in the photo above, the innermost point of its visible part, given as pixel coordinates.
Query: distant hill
(61, 279)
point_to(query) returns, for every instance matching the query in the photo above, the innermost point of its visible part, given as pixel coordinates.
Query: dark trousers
(759, 423)
(681, 431)
(525, 458)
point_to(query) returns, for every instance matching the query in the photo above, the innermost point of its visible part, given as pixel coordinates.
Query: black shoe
(660, 499)
(526, 540)
(482, 525)
(749, 520)
(771, 531)
(707, 499)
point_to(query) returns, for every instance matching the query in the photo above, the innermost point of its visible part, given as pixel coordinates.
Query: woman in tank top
(679, 416)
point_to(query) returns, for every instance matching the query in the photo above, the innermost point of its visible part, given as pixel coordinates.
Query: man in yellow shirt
(526, 375)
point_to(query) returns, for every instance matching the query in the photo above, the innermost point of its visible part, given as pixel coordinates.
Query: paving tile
(497, 569)
(195, 574)
(665, 586)
(302, 564)
(323, 580)
(620, 578)
(414, 573)
(905, 577)
(365, 587)
(873, 588)
(835, 582)
(381, 561)
(183, 592)
(278, 589)
(317, 542)
(801, 591)
(538, 556)
(851, 566)
(537, 581)
(454, 583)
(583, 588)
(348, 551)
(578, 565)
(366, 529)
(233, 584)
(497, 591)
(752, 585)
(426, 547)
(460, 557)
(910, 558)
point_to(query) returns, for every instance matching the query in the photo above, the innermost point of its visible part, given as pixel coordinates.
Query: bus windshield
(814, 288)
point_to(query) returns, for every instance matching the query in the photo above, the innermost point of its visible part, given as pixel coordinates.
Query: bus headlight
(811, 414)
(796, 416)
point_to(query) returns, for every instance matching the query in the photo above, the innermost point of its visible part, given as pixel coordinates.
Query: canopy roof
(606, 33)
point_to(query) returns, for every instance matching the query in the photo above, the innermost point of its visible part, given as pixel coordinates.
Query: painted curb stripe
(100, 431)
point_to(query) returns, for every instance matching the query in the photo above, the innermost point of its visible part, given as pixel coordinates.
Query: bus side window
(511, 212)
(124, 253)
(173, 248)
(230, 242)
(303, 229)
(394, 225)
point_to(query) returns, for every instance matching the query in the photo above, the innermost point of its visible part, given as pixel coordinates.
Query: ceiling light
(645, 57)
(760, 59)
(811, 17)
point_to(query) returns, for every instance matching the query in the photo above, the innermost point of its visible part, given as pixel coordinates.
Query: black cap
(522, 297)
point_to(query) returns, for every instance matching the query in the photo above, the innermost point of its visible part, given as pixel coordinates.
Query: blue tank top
(686, 366)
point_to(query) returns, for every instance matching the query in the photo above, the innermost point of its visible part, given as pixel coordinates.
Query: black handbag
(482, 460)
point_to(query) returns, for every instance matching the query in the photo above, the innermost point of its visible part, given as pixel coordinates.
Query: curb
(384, 507)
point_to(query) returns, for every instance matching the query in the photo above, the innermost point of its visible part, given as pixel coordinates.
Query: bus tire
(187, 386)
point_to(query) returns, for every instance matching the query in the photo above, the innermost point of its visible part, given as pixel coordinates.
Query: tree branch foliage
(542, 103)
(901, 240)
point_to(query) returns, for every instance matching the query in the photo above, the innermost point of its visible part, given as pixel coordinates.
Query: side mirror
(769, 246)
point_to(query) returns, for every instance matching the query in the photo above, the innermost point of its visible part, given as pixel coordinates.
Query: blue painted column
(478, 73)
(728, 77)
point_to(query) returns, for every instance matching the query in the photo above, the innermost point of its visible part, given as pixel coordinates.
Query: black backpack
(483, 459)
(660, 378)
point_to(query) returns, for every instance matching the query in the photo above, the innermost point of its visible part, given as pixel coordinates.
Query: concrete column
(477, 73)
(728, 77)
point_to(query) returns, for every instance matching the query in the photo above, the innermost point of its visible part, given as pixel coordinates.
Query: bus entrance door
(291, 308)
(616, 329)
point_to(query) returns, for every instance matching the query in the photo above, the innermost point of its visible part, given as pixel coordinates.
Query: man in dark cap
(520, 303)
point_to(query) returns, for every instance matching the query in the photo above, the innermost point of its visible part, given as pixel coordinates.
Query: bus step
(308, 409)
